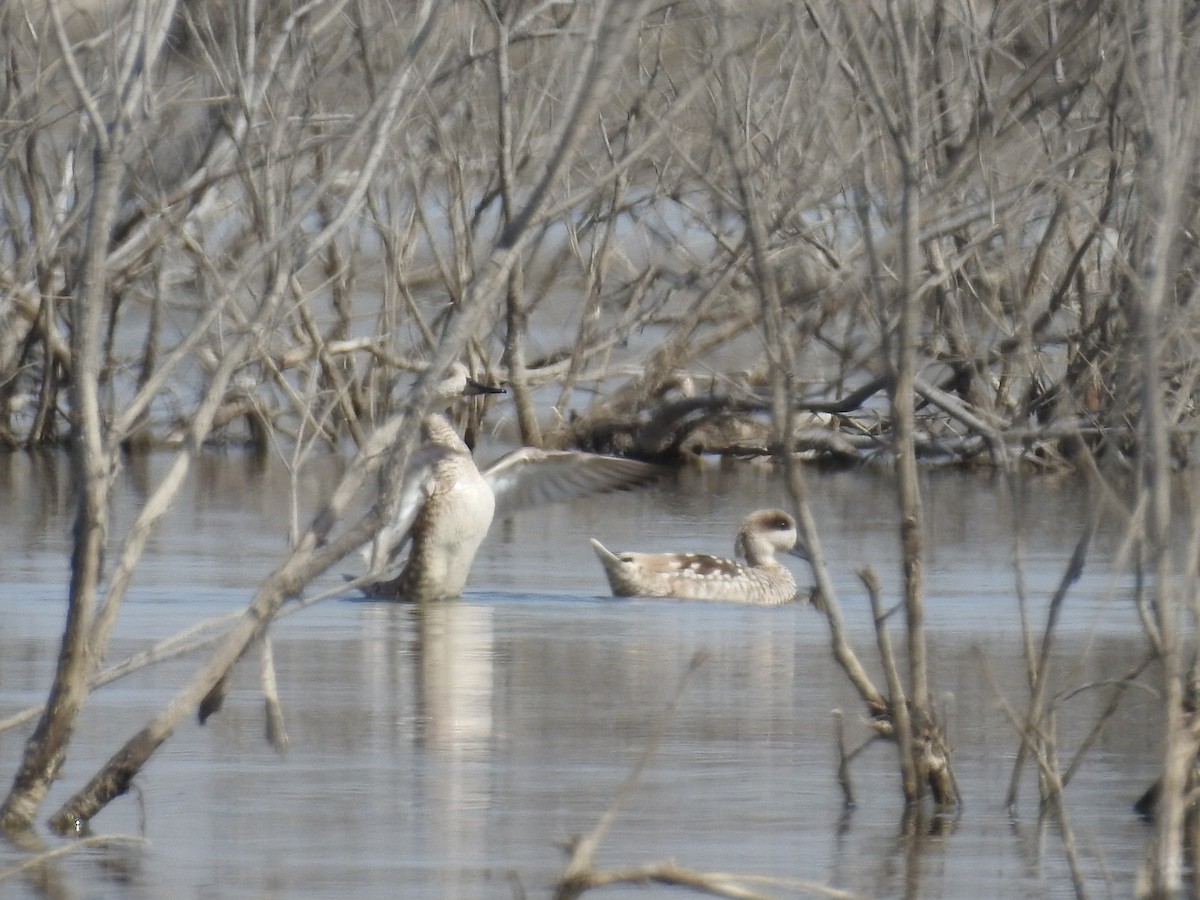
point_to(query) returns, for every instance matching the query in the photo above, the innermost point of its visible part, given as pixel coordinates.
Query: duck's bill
(477, 387)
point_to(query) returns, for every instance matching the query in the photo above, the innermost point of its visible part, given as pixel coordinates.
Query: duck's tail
(613, 566)
(606, 556)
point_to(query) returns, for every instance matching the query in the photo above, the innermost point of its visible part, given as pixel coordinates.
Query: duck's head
(459, 383)
(765, 533)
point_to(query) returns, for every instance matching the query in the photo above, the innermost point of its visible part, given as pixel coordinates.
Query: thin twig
(579, 866)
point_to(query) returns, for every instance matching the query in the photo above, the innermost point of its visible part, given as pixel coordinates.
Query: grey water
(453, 753)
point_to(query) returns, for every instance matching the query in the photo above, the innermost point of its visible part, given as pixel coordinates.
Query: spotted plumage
(761, 580)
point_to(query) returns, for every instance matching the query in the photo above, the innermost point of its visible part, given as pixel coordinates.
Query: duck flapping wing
(420, 483)
(531, 477)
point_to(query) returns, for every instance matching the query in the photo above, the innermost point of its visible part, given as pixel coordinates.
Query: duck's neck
(756, 551)
(437, 428)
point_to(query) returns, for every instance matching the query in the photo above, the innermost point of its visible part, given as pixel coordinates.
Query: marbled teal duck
(761, 580)
(447, 504)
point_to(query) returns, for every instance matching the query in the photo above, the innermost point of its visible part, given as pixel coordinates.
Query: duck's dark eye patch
(782, 524)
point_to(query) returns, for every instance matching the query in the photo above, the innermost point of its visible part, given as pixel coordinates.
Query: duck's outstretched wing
(531, 477)
(419, 485)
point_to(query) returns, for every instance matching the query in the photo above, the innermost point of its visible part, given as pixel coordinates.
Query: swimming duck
(446, 503)
(761, 580)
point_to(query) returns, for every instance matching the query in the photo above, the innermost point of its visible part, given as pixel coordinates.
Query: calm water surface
(451, 754)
